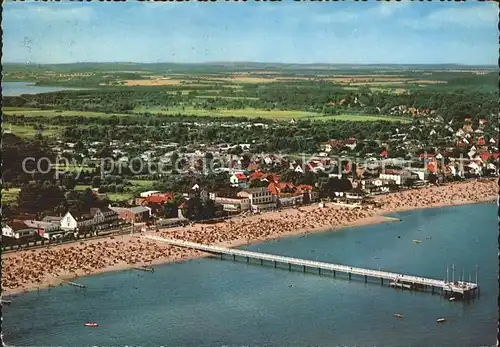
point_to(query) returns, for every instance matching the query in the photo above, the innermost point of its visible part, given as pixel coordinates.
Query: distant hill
(213, 67)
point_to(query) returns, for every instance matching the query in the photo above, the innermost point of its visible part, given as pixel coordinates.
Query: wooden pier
(457, 289)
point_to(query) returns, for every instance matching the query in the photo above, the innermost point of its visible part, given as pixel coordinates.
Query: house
(17, 230)
(338, 144)
(47, 230)
(259, 198)
(105, 217)
(135, 214)
(257, 175)
(98, 218)
(481, 141)
(77, 221)
(237, 179)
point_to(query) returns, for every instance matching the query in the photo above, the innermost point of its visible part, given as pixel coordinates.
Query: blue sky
(291, 32)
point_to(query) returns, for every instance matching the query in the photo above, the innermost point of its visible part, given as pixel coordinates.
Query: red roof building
(240, 176)
(257, 175)
(481, 141)
(159, 198)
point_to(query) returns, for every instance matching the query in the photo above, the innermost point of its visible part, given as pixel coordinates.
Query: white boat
(417, 241)
(452, 298)
(440, 320)
(91, 325)
(398, 315)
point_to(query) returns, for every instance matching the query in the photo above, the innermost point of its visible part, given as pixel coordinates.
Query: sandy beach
(49, 266)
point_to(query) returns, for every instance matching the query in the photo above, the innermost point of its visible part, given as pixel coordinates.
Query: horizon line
(252, 62)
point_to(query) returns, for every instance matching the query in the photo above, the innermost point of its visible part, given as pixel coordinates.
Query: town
(208, 182)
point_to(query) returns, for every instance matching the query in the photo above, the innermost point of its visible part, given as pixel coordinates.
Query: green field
(246, 112)
(10, 195)
(27, 131)
(141, 183)
(111, 196)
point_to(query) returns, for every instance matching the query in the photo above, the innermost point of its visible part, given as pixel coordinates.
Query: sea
(20, 88)
(213, 302)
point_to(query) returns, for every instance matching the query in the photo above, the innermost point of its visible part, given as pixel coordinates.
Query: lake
(209, 302)
(19, 88)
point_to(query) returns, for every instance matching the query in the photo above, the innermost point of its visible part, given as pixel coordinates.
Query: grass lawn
(10, 195)
(27, 131)
(246, 112)
(141, 183)
(119, 196)
(54, 113)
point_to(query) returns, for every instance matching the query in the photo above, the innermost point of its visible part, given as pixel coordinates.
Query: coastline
(393, 203)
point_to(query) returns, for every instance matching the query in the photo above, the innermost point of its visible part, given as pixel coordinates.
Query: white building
(17, 230)
(260, 198)
(149, 193)
(234, 204)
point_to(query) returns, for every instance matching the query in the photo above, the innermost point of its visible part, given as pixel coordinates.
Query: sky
(287, 32)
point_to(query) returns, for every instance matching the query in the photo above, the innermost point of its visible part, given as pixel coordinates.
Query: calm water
(19, 88)
(208, 302)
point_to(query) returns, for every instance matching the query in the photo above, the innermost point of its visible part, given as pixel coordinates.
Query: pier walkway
(415, 282)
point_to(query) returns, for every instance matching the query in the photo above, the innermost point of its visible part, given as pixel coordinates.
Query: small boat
(398, 315)
(6, 302)
(429, 237)
(440, 320)
(417, 241)
(91, 325)
(452, 298)
(290, 285)
(376, 257)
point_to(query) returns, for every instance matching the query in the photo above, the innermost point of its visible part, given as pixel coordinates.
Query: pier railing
(461, 287)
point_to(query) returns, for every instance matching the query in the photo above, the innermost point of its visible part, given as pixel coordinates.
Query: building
(17, 230)
(98, 219)
(399, 176)
(237, 179)
(105, 217)
(149, 193)
(260, 198)
(47, 230)
(77, 221)
(158, 198)
(136, 214)
(235, 204)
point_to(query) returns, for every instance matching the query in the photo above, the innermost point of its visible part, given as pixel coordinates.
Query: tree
(38, 197)
(69, 181)
(96, 182)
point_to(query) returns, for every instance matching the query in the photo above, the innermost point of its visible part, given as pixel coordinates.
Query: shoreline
(379, 215)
